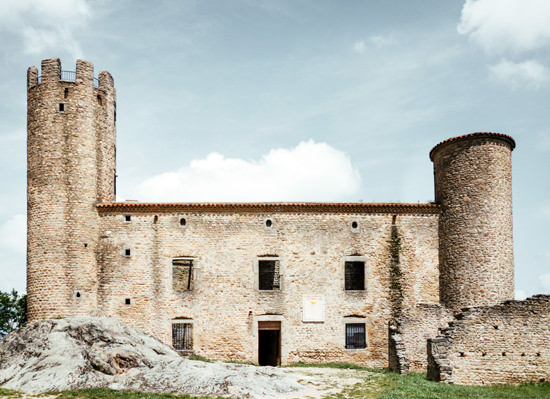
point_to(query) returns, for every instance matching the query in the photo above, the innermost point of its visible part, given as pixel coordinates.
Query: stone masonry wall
(415, 327)
(473, 185)
(69, 123)
(501, 344)
(225, 304)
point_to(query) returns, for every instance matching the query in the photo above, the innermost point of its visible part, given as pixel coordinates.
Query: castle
(376, 284)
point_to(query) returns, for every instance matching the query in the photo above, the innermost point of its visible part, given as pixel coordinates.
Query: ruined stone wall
(409, 334)
(501, 344)
(473, 185)
(225, 304)
(69, 120)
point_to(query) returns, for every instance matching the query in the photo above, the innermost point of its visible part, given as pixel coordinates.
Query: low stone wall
(407, 336)
(488, 345)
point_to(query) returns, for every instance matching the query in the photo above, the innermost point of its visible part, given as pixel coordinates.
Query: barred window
(355, 336)
(355, 275)
(182, 336)
(269, 275)
(182, 274)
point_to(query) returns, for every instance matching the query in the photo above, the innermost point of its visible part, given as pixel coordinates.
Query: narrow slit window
(355, 275)
(269, 275)
(355, 336)
(61, 107)
(182, 274)
(127, 252)
(182, 336)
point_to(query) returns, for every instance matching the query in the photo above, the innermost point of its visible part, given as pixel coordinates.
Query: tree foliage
(13, 312)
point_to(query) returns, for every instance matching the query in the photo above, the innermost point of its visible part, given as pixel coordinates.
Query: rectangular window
(355, 275)
(182, 274)
(182, 336)
(269, 275)
(355, 336)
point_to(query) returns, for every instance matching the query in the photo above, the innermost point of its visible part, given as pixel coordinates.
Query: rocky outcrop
(88, 352)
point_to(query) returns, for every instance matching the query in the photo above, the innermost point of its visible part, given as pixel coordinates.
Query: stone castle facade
(273, 283)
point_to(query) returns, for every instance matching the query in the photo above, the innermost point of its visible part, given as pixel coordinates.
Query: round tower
(70, 168)
(473, 184)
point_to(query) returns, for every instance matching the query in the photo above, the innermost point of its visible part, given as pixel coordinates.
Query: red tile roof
(504, 137)
(271, 207)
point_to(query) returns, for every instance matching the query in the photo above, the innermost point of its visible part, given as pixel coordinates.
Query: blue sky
(292, 100)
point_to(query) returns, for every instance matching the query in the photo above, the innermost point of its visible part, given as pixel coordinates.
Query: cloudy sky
(305, 100)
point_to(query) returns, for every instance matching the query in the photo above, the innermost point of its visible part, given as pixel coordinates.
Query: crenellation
(51, 70)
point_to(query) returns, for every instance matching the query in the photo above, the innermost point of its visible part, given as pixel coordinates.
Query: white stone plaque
(314, 308)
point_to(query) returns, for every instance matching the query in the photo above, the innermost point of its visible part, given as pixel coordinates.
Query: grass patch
(8, 393)
(104, 393)
(416, 385)
(239, 362)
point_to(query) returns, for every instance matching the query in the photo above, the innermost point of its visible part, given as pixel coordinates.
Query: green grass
(416, 385)
(8, 393)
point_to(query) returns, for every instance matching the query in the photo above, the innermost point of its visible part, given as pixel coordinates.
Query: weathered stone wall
(410, 332)
(501, 344)
(71, 157)
(473, 185)
(225, 304)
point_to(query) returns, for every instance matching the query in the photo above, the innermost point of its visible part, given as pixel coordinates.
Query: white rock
(91, 352)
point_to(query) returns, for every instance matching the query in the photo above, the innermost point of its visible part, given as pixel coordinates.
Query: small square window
(127, 252)
(355, 275)
(127, 301)
(182, 274)
(127, 218)
(355, 336)
(182, 336)
(269, 275)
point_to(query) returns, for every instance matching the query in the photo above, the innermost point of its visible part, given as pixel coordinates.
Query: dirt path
(325, 383)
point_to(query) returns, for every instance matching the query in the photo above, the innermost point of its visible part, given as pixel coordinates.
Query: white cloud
(520, 295)
(359, 47)
(527, 74)
(378, 41)
(309, 172)
(381, 40)
(45, 24)
(544, 281)
(501, 26)
(13, 234)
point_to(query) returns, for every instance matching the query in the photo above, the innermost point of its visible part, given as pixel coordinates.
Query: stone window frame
(356, 258)
(195, 268)
(354, 320)
(190, 322)
(257, 272)
(125, 217)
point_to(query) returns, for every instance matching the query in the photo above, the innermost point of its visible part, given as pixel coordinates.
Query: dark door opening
(269, 343)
